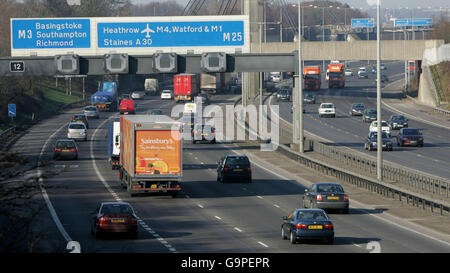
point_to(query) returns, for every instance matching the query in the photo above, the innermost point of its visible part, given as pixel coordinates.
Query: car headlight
(373, 143)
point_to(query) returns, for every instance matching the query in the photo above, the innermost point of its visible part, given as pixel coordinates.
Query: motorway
(350, 132)
(207, 217)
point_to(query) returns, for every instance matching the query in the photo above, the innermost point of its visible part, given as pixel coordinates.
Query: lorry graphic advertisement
(150, 154)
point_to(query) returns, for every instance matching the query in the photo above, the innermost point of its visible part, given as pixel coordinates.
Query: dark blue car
(307, 224)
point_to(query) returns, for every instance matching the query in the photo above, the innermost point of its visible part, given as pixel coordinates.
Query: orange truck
(336, 76)
(311, 77)
(150, 154)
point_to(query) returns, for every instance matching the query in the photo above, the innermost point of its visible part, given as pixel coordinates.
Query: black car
(203, 132)
(357, 109)
(65, 148)
(326, 195)
(369, 115)
(371, 142)
(397, 122)
(309, 98)
(410, 136)
(234, 167)
(307, 224)
(80, 118)
(284, 95)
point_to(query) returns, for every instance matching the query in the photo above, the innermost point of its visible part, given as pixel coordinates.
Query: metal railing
(413, 180)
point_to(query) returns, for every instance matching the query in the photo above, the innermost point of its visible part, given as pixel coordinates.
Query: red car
(113, 217)
(127, 107)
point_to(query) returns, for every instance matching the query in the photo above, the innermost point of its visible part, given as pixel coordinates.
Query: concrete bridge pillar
(250, 81)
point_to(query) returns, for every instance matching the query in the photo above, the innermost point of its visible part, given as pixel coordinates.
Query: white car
(327, 109)
(276, 78)
(348, 72)
(138, 95)
(77, 130)
(166, 94)
(384, 127)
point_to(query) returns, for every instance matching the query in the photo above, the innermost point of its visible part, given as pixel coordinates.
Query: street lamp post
(379, 132)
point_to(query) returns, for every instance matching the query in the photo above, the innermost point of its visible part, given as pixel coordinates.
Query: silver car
(77, 131)
(138, 95)
(91, 111)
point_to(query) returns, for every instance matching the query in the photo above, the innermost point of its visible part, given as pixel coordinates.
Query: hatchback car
(65, 148)
(203, 132)
(77, 131)
(127, 107)
(307, 224)
(112, 217)
(91, 111)
(371, 142)
(309, 98)
(327, 109)
(326, 195)
(166, 94)
(80, 118)
(348, 72)
(397, 122)
(138, 95)
(369, 115)
(384, 127)
(363, 74)
(234, 167)
(284, 95)
(410, 136)
(357, 109)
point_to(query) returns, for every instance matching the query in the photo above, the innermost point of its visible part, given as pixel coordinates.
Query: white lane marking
(275, 205)
(356, 245)
(263, 244)
(238, 229)
(217, 217)
(200, 206)
(260, 197)
(49, 204)
(102, 179)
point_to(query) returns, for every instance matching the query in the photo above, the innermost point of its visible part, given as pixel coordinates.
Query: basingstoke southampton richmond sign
(133, 35)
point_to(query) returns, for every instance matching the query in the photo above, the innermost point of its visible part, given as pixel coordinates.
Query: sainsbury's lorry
(150, 154)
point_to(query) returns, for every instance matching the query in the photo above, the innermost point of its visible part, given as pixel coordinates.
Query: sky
(359, 3)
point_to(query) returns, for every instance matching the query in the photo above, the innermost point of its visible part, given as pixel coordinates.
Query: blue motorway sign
(170, 34)
(50, 33)
(413, 22)
(363, 22)
(11, 110)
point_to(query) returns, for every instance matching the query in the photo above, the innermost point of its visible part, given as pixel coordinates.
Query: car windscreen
(311, 215)
(375, 134)
(117, 209)
(77, 126)
(335, 74)
(327, 106)
(238, 160)
(398, 118)
(65, 144)
(371, 112)
(78, 117)
(330, 188)
(411, 132)
(358, 106)
(312, 76)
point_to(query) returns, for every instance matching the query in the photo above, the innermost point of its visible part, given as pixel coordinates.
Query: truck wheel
(174, 194)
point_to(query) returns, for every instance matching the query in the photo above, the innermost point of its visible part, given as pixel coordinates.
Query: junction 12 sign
(132, 35)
